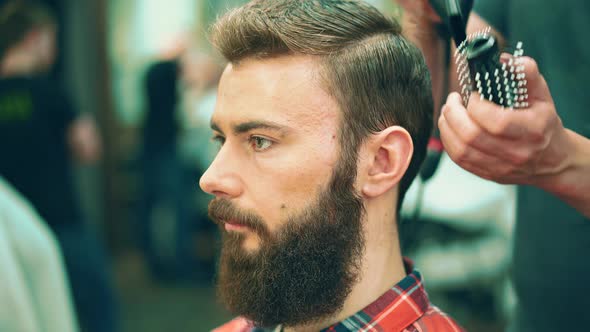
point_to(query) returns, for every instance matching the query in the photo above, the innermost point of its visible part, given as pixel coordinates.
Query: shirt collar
(399, 307)
(396, 309)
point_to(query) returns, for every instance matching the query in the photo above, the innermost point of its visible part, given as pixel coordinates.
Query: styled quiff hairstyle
(378, 78)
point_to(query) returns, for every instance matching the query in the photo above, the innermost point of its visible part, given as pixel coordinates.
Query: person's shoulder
(238, 324)
(434, 320)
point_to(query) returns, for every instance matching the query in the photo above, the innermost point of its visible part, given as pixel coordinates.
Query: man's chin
(251, 244)
(242, 242)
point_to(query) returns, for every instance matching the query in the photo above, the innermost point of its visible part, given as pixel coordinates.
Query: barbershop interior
(138, 80)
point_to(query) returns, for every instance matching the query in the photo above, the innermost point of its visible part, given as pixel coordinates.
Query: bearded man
(323, 115)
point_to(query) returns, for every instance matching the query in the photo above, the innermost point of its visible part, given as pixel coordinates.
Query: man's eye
(218, 140)
(260, 143)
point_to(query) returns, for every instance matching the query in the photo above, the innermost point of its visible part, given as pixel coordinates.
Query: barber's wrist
(571, 179)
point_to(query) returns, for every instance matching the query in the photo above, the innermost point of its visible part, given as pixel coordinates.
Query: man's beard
(304, 271)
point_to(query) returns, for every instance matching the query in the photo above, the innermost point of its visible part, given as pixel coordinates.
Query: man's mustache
(222, 210)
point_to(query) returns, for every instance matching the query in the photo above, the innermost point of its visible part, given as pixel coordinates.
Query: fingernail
(505, 57)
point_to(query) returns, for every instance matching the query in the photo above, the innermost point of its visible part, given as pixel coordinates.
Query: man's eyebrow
(215, 127)
(245, 127)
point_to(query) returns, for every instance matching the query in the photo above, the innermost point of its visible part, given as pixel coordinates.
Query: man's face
(279, 133)
(285, 201)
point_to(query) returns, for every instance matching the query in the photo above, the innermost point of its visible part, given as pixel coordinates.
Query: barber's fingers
(490, 117)
(537, 88)
(512, 124)
(459, 120)
(467, 157)
(518, 123)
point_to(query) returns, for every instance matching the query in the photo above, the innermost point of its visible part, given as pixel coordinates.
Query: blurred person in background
(174, 231)
(163, 207)
(322, 119)
(40, 131)
(200, 75)
(543, 148)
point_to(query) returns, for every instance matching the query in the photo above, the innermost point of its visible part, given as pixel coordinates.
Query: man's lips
(231, 225)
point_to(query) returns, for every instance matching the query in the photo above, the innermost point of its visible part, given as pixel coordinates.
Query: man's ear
(389, 154)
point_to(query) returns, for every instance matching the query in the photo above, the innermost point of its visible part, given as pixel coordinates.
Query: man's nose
(221, 178)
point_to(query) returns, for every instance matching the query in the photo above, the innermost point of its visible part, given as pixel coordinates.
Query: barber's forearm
(437, 67)
(423, 33)
(572, 183)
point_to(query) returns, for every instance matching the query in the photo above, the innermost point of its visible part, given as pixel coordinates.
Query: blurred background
(144, 72)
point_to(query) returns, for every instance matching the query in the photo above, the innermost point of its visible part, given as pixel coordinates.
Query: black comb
(479, 69)
(478, 62)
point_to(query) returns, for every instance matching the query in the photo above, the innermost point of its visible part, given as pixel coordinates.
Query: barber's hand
(521, 146)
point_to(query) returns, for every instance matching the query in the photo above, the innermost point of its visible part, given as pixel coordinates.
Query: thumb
(537, 88)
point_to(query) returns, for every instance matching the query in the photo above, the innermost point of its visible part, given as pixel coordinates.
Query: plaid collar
(398, 308)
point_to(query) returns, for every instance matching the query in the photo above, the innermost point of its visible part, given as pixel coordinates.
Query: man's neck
(381, 268)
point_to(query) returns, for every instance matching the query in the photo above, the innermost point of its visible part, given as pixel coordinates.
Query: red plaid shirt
(403, 308)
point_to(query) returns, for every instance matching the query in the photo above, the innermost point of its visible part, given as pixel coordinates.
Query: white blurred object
(458, 198)
(195, 141)
(158, 23)
(465, 203)
(34, 293)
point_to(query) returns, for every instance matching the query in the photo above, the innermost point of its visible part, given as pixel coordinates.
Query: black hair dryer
(454, 14)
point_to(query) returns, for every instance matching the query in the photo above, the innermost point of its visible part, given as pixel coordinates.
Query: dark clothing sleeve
(66, 110)
(495, 12)
(63, 110)
(58, 109)
(35, 154)
(160, 126)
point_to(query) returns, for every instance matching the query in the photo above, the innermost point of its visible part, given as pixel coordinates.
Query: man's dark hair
(377, 76)
(18, 17)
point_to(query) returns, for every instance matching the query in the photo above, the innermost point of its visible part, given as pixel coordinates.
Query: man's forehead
(275, 63)
(293, 73)
(285, 88)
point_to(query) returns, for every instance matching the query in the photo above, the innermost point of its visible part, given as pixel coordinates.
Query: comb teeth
(479, 70)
